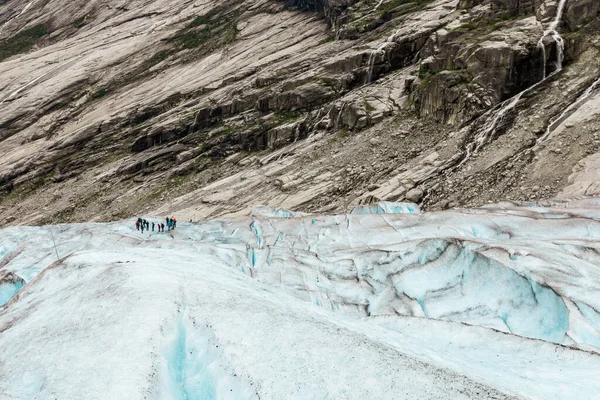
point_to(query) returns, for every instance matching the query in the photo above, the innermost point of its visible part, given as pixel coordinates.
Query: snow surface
(384, 303)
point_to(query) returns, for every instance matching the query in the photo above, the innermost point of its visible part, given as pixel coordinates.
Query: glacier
(385, 302)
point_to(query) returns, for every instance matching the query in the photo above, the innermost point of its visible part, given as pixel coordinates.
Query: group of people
(142, 224)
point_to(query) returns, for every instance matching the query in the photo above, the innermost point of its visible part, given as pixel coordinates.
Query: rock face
(580, 12)
(466, 4)
(216, 108)
(461, 75)
(513, 7)
(332, 9)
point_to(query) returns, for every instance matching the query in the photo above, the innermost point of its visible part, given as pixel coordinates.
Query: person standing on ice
(153, 227)
(162, 227)
(137, 225)
(143, 227)
(174, 222)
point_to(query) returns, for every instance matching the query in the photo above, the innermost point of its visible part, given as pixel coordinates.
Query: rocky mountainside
(206, 108)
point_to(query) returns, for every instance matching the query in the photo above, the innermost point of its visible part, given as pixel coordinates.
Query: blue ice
(187, 371)
(387, 207)
(257, 232)
(194, 368)
(8, 290)
(271, 212)
(590, 314)
(459, 284)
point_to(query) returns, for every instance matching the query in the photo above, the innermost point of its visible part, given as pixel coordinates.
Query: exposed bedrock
(120, 108)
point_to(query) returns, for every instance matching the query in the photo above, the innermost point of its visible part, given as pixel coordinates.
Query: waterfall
(552, 31)
(485, 134)
(371, 63)
(18, 15)
(543, 49)
(370, 66)
(337, 30)
(194, 124)
(557, 120)
(338, 121)
(374, 53)
(40, 78)
(559, 14)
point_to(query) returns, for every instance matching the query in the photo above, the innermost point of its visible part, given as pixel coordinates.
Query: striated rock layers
(214, 108)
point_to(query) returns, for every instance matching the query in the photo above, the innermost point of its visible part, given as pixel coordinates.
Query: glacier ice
(387, 207)
(10, 284)
(494, 302)
(191, 365)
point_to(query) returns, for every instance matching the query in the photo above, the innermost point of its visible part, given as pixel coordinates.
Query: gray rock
(580, 12)
(415, 195)
(443, 205)
(467, 74)
(466, 4)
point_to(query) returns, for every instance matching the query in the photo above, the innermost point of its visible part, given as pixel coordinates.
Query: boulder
(415, 195)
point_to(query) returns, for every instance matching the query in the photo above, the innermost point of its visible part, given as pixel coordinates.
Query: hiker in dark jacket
(153, 227)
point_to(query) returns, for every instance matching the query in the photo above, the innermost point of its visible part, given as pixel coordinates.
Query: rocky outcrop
(342, 101)
(580, 12)
(286, 134)
(467, 4)
(462, 75)
(332, 9)
(513, 7)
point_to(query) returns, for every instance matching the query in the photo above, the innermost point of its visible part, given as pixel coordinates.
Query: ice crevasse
(467, 303)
